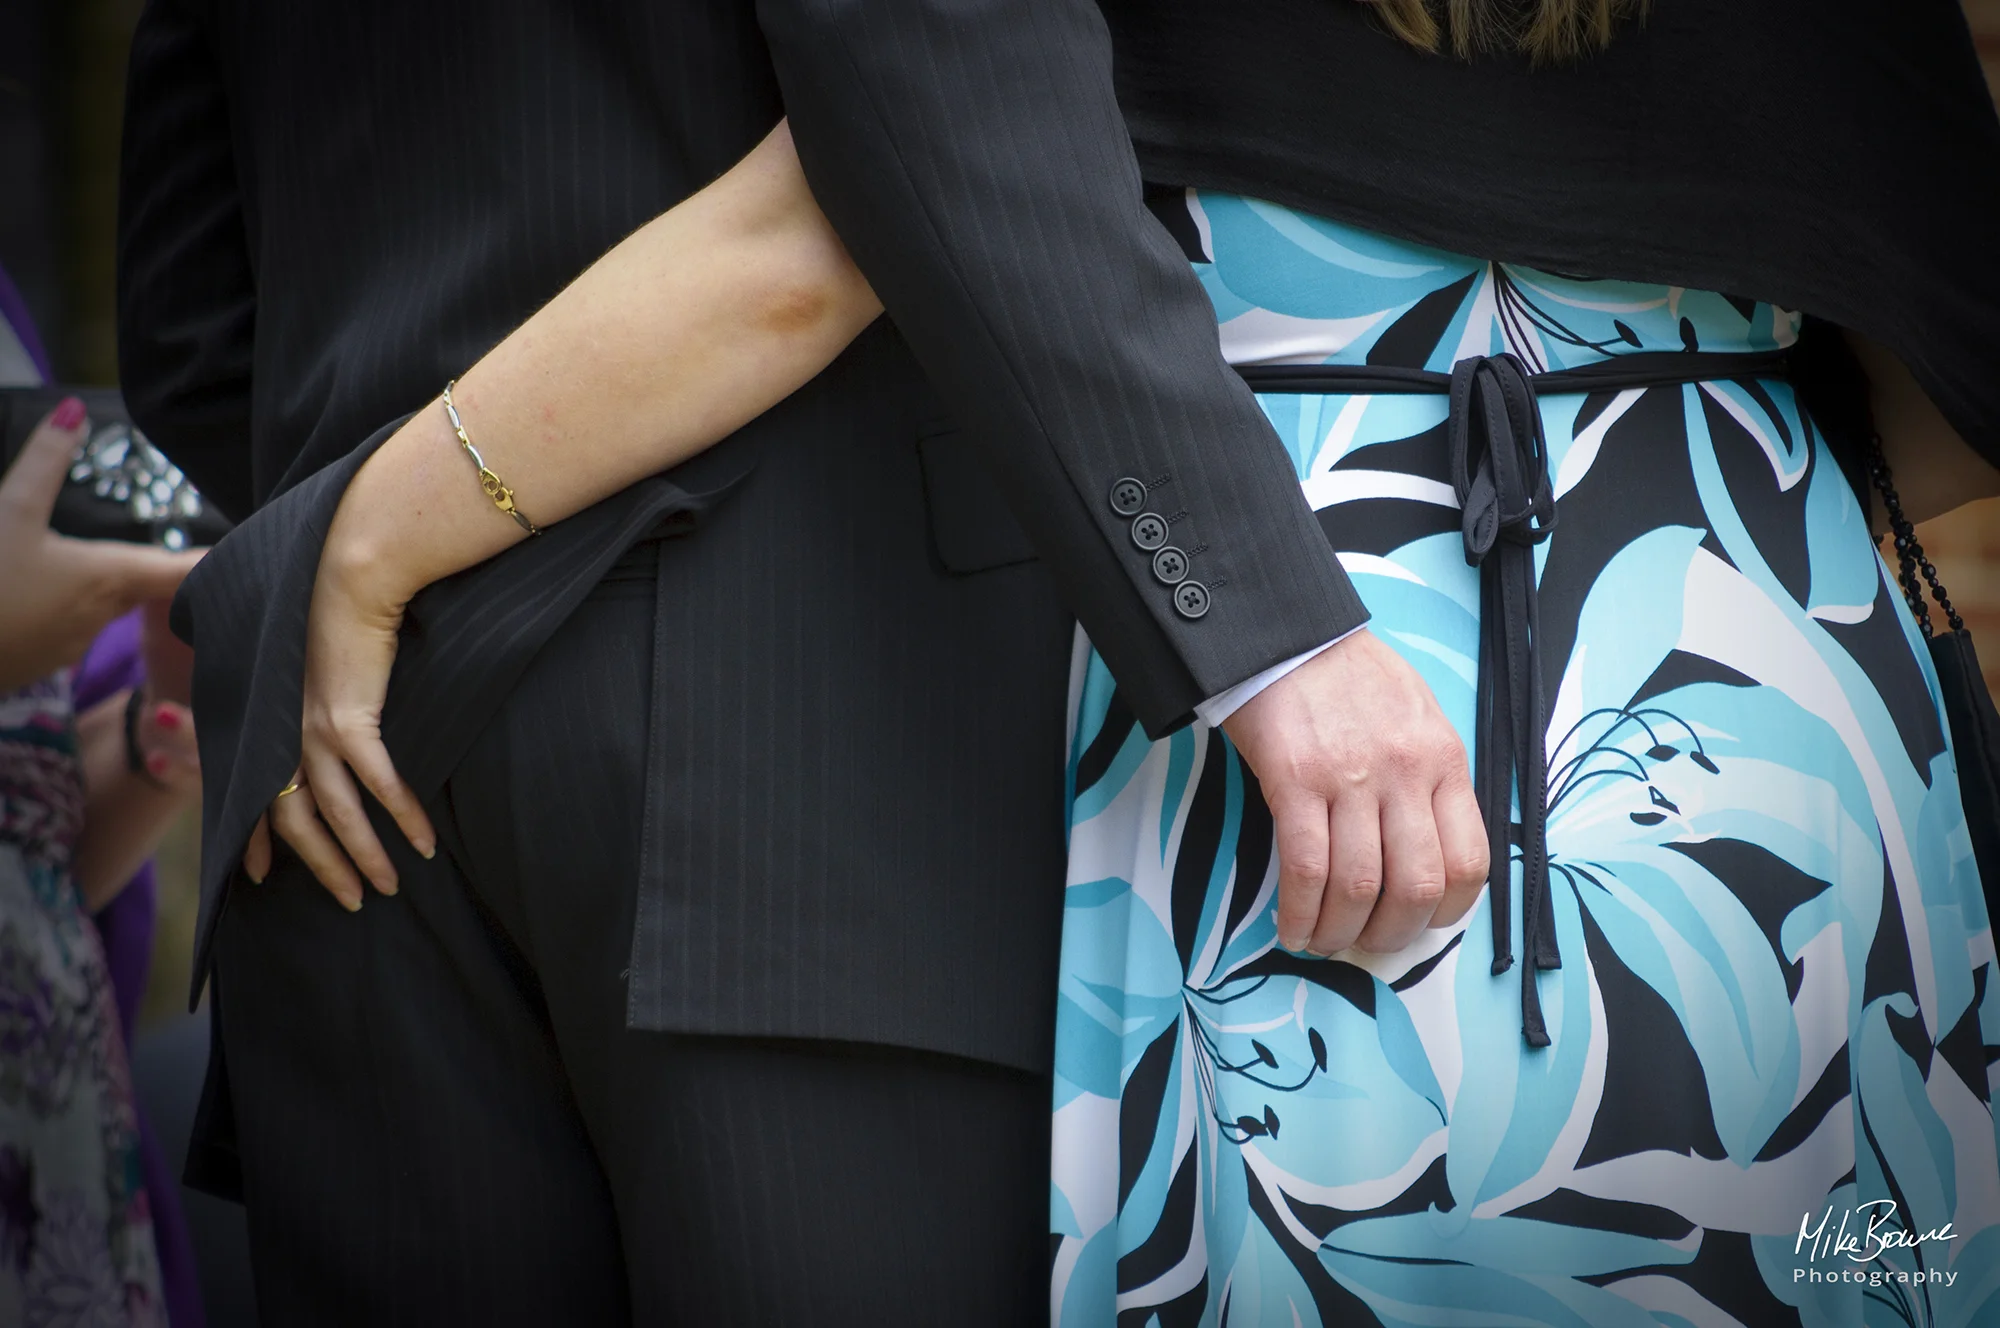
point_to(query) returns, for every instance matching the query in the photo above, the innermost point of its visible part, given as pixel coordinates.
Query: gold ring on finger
(292, 787)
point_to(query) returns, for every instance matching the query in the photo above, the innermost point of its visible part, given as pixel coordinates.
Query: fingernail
(352, 905)
(166, 718)
(427, 850)
(68, 415)
(255, 879)
(157, 763)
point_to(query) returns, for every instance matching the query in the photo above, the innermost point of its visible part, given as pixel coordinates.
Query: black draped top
(1841, 157)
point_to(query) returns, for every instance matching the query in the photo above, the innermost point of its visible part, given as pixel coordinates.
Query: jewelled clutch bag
(120, 486)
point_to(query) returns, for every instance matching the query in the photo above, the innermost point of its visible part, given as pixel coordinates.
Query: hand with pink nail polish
(127, 809)
(166, 737)
(58, 593)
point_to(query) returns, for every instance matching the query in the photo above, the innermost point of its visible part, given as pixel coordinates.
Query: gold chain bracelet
(502, 496)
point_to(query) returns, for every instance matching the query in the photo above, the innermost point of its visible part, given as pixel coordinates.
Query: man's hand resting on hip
(1378, 833)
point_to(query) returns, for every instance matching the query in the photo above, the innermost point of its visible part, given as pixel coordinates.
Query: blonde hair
(1547, 31)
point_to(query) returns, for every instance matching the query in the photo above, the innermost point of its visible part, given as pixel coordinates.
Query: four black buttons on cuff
(1149, 532)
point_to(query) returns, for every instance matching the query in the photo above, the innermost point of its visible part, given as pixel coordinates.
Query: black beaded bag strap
(1969, 713)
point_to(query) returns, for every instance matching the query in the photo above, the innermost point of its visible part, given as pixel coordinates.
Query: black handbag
(1968, 704)
(120, 486)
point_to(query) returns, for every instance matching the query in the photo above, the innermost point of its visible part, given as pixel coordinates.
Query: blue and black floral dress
(1770, 1006)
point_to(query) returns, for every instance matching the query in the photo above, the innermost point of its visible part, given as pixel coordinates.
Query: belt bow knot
(1500, 472)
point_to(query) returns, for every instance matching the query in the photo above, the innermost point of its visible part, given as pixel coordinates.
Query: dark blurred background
(62, 90)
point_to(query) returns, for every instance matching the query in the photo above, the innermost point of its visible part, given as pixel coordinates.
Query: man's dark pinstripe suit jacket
(331, 206)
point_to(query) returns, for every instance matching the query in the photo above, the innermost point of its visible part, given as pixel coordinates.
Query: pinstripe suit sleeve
(972, 156)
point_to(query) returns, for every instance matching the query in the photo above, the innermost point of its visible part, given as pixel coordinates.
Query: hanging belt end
(1533, 1027)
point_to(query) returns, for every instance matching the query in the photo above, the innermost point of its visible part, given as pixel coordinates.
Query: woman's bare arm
(692, 326)
(695, 324)
(1934, 469)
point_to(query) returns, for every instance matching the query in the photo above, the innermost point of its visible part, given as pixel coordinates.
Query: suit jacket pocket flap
(971, 528)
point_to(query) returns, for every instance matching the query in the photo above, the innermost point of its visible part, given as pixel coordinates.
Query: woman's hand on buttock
(644, 360)
(350, 649)
(1378, 833)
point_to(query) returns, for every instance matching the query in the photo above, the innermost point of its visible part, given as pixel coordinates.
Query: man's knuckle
(1359, 891)
(1425, 891)
(1312, 769)
(1402, 753)
(1467, 865)
(1307, 868)
(1447, 752)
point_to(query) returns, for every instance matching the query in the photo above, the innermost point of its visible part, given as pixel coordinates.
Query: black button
(1170, 565)
(1128, 497)
(1191, 599)
(1149, 531)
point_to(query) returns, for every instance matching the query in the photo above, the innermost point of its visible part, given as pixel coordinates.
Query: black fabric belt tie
(1500, 474)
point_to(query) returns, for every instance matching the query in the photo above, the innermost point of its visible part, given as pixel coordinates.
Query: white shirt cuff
(1226, 703)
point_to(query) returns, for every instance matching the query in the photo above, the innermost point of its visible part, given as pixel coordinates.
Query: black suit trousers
(438, 1114)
